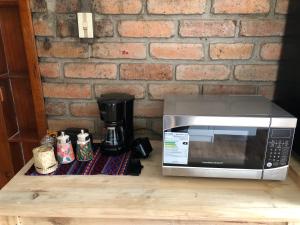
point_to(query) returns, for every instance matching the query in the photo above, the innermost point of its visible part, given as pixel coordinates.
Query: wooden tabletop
(152, 196)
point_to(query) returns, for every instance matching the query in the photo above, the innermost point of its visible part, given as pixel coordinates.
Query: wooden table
(149, 199)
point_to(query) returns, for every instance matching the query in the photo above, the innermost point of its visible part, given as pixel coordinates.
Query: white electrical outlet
(85, 25)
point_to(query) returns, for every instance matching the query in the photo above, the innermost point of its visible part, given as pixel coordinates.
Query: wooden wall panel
(33, 66)
(3, 66)
(23, 120)
(13, 40)
(6, 167)
(23, 104)
(8, 107)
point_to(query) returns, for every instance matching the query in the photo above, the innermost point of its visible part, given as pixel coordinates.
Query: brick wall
(150, 48)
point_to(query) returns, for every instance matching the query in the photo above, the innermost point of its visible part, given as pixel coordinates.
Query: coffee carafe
(116, 111)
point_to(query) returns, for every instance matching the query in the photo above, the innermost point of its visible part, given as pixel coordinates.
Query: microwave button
(272, 144)
(286, 149)
(269, 164)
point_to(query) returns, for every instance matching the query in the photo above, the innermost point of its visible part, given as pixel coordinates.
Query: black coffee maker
(116, 110)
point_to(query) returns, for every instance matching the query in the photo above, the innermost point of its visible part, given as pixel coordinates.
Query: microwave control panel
(279, 147)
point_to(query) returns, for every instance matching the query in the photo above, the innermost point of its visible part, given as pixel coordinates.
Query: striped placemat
(101, 164)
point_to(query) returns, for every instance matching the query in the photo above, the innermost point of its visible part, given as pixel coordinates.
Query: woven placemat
(101, 164)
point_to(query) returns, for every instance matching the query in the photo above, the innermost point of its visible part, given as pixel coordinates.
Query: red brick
(91, 70)
(176, 6)
(263, 28)
(144, 71)
(84, 109)
(157, 126)
(103, 28)
(159, 91)
(62, 124)
(118, 6)
(139, 123)
(267, 90)
(148, 28)
(202, 72)
(38, 6)
(256, 72)
(67, 25)
(62, 49)
(148, 108)
(43, 25)
(218, 89)
(271, 51)
(119, 50)
(287, 7)
(276, 51)
(134, 89)
(49, 70)
(59, 90)
(241, 6)
(67, 6)
(207, 28)
(176, 51)
(55, 108)
(282, 6)
(231, 51)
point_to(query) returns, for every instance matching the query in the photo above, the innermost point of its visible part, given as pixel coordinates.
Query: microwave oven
(226, 137)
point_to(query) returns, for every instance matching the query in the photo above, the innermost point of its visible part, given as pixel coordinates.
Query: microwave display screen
(281, 133)
(225, 147)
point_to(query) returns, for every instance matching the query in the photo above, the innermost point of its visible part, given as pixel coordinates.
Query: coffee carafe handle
(103, 112)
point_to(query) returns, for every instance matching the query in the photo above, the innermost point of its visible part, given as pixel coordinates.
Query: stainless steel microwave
(226, 137)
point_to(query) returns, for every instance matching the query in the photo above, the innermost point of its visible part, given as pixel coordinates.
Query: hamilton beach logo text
(216, 163)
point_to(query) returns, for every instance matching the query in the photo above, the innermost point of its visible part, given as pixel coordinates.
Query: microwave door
(229, 147)
(225, 147)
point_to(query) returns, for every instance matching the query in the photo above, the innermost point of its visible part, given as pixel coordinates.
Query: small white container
(44, 159)
(84, 151)
(65, 153)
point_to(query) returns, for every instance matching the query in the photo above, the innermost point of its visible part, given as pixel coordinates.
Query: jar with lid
(65, 153)
(48, 140)
(44, 159)
(84, 151)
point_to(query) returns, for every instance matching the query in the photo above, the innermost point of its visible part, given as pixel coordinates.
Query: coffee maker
(116, 111)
